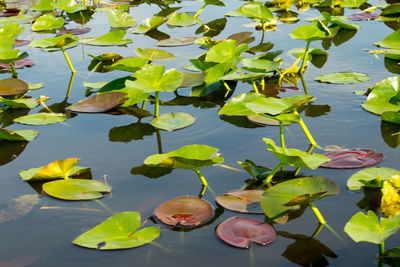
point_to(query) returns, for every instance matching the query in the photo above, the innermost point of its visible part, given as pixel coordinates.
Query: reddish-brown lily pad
(187, 211)
(13, 86)
(352, 158)
(9, 12)
(21, 42)
(247, 201)
(19, 64)
(75, 31)
(240, 231)
(99, 103)
(363, 16)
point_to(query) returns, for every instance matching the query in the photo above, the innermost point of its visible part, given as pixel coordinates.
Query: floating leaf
(76, 189)
(363, 16)
(47, 22)
(119, 231)
(98, 103)
(12, 86)
(181, 19)
(186, 211)
(345, 78)
(367, 176)
(279, 199)
(180, 41)
(149, 24)
(241, 231)
(111, 38)
(120, 18)
(192, 79)
(247, 201)
(253, 10)
(70, 6)
(237, 105)
(153, 54)
(52, 44)
(352, 158)
(224, 51)
(20, 103)
(274, 106)
(391, 41)
(17, 135)
(17, 208)
(309, 33)
(41, 118)
(173, 121)
(75, 31)
(19, 64)
(367, 228)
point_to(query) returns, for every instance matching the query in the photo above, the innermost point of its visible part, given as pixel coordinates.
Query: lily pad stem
(157, 105)
(317, 213)
(202, 178)
(13, 71)
(304, 57)
(198, 12)
(310, 149)
(159, 144)
(263, 32)
(281, 134)
(144, 104)
(262, 84)
(255, 87)
(67, 58)
(317, 231)
(71, 81)
(203, 190)
(228, 89)
(267, 181)
(381, 248)
(303, 82)
(306, 131)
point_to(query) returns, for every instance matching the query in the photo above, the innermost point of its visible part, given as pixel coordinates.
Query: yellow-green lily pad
(41, 118)
(76, 189)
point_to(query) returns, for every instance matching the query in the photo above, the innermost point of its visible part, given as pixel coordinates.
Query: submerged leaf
(76, 189)
(99, 103)
(247, 201)
(18, 207)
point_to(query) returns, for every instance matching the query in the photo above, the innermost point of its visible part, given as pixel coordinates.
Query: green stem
(271, 174)
(381, 248)
(305, 57)
(228, 89)
(306, 131)
(203, 180)
(317, 213)
(144, 104)
(13, 71)
(157, 105)
(255, 87)
(303, 82)
(198, 12)
(263, 32)
(159, 145)
(71, 81)
(203, 190)
(281, 134)
(69, 61)
(317, 231)
(262, 84)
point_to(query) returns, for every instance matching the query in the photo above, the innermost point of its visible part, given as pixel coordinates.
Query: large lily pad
(13, 86)
(367, 228)
(181, 19)
(241, 231)
(237, 105)
(53, 170)
(17, 135)
(352, 158)
(76, 189)
(179, 41)
(281, 198)
(294, 157)
(370, 177)
(173, 121)
(119, 231)
(111, 38)
(20, 103)
(41, 118)
(247, 201)
(47, 22)
(64, 41)
(120, 18)
(352, 77)
(391, 41)
(186, 210)
(99, 103)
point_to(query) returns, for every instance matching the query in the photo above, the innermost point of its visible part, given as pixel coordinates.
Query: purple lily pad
(75, 31)
(352, 158)
(363, 16)
(9, 12)
(247, 201)
(98, 103)
(19, 64)
(18, 43)
(12, 86)
(240, 231)
(186, 210)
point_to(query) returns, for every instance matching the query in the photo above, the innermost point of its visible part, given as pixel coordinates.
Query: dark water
(46, 234)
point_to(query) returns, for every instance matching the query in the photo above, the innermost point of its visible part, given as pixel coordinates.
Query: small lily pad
(99, 103)
(352, 158)
(76, 189)
(17, 135)
(19, 64)
(111, 38)
(181, 41)
(118, 232)
(41, 118)
(181, 19)
(344, 78)
(247, 201)
(75, 31)
(241, 231)
(12, 86)
(364, 177)
(173, 121)
(20, 103)
(186, 210)
(153, 54)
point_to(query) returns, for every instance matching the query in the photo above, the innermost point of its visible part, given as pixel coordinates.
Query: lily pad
(369, 176)
(120, 18)
(247, 201)
(17, 135)
(19, 64)
(20, 103)
(153, 54)
(173, 121)
(53, 170)
(281, 198)
(70, 6)
(149, 24)
(363, 16)
(391, 41)
(241, 231)
(13, 86)
(274, 106)
(181, 19)
(367, 228)
(186, 211)
(99, 103)
(237, 105)
(119, 231)
(192, 79)
(41, 118)
(47, 22)
(76, 189)
(352, 158)
(108, 39)
(309, 33)
(75, 31)
(344, 78)
(179, 41)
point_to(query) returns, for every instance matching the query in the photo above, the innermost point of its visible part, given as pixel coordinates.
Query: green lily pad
(70, 6)
(17, 135)
(173, 121)
(391, 41)
(260, 65)
(275, 106)
(120, 18)
(8, 34)
(192, 79)
(20, 103)
(190, 157)
(130, 64)
(99, 103)
(294, 157)
(56, 43)
(246, 201)
(368, 176)
(76, 189)
(181, 19)
(8, 56)
(13, 86)
(367, 228)
(53, 170)
(108, 39)
(281, 198)
(119, 231)
(153, 54)
(47, 22)
(179, 41)
(309, 33)
(345, 78)
(237, 105)
(149, 24)
(224, 51)
(253, 10)
(41, 118)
